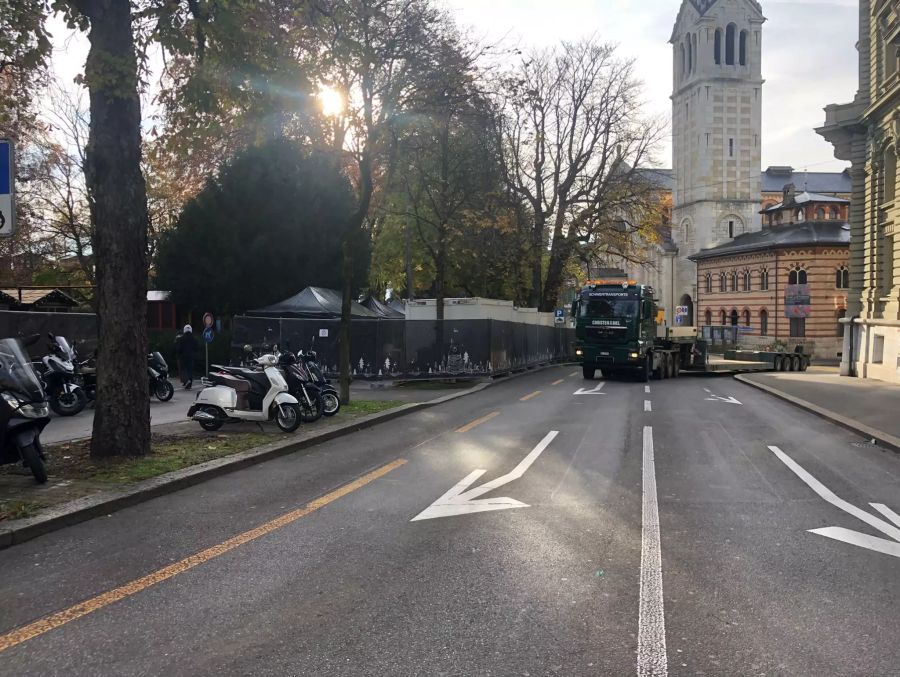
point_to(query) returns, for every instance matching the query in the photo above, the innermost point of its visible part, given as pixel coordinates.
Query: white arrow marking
(593, 391)
(847, 535)
(717, 398)
(458, 501)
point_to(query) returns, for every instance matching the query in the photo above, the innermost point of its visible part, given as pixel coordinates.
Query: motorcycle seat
(240, 385)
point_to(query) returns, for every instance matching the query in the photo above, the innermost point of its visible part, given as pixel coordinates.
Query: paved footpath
(546, 525)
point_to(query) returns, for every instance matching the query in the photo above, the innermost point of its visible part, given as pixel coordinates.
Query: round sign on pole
(208, 335)
(208, 320)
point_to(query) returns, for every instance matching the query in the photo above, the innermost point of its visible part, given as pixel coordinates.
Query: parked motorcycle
(300, 385)
(245, 394)
(331, 402)
(58, 375)
(85, 373)
(158, 374)
(23, 410)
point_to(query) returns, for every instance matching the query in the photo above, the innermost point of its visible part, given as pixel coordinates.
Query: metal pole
(206, 350)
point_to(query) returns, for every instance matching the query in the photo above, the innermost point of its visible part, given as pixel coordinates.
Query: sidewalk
(866, 406)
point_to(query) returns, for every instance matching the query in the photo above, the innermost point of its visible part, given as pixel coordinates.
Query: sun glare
(332, 101)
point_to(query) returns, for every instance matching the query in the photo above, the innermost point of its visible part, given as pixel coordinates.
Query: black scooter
(158, 375)
(23, 409)
(330, 399)
(300, 385)
(58, 376)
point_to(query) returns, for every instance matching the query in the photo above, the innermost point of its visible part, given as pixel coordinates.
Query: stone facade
(716, 123)
(866, 132)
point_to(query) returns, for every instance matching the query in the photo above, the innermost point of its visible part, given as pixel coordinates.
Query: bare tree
(575, 142)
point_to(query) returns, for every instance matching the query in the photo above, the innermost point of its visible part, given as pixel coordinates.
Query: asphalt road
(660, 534)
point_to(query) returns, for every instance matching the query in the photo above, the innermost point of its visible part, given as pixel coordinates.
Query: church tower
(716, 133)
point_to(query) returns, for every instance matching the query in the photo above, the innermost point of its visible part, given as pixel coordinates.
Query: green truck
(619, 328)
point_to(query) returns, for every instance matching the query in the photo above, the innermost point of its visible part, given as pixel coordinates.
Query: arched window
(820, 213)
(797, 276)
(732, 281)
(681, 73)
(745, 281)
(708, 317)
(723, 318)
(708, 284)
(798, 215)
(763, 322)
(841, 314)
(842, 278)
(717, 47)
(734, 317)
(729, 44)
(690, 55)
(764, 279)
(722, 282)
(694, 47)
(743, 48)
(835, 213)
(746, 318)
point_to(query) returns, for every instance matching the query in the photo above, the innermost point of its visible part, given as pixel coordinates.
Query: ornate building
(716, 123)
(787, 282)
(866, 132)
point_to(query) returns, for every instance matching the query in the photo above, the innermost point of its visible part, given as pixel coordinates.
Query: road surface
(545, 526)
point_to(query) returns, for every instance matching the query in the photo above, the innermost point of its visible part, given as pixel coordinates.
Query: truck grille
(604, 333)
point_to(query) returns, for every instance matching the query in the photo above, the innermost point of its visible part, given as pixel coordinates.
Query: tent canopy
(384, 310)
(313, 303)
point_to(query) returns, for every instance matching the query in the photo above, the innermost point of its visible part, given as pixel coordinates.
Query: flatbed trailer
(668, 358)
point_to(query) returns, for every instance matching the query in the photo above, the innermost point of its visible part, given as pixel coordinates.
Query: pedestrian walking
(186, 350)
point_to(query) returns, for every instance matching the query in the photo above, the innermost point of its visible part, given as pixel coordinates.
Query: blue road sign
(560, 312)
(7, 212)
(208, 335)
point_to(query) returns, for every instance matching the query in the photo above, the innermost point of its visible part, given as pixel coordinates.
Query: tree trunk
(537, 261)
(119, 211)
(554, 279)
(346, 319)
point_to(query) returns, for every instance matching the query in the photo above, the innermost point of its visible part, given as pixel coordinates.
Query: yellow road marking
(478, 421)
(556, 383)
(81, 609)
(529, 396)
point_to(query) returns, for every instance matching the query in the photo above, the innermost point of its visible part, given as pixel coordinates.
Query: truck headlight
(633, 356)
(579, 352)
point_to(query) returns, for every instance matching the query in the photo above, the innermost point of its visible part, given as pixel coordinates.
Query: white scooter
(240, 394)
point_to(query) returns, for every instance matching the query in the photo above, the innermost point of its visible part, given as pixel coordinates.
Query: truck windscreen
(608, 307)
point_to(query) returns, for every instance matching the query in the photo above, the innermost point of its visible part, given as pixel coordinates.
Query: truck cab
(615, 326)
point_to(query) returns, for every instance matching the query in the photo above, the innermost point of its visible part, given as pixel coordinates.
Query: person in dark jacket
(186, 350)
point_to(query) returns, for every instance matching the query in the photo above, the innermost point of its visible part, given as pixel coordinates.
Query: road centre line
(646, 389)
(60, 618)
(556, 383)
(529, 396)
(651, 658)
(574, 373)
(477, 422)
(647, 406)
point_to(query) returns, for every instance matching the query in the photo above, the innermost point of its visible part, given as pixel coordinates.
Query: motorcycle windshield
(315, 371)
(158, 361)
(16, 373)
(65, 350)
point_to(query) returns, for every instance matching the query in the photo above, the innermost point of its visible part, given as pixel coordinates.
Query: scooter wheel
(69, 404)
(164, 390)
(32, 458)
(212, 425)
(332, 404)
(287, 417)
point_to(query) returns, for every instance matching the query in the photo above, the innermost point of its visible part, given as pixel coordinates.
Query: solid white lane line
(708, 390)
(647, 406)
(651, 658)
(646, 389)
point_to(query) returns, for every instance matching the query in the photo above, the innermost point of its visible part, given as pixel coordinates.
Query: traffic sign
(208, 335)
(208, 320)
(7, 189)
(681, 310)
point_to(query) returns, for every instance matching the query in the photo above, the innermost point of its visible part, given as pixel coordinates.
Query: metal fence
(80, 327)
(413, 348)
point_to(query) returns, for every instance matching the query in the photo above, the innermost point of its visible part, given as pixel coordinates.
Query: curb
(106, 502)
(884, 439)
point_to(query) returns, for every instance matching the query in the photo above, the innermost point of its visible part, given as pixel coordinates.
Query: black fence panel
(80, 327)
(389, 348)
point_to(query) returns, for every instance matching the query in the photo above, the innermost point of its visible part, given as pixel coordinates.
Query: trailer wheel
(804, 364)
(796, 361)
(588, 372)
(782, 363)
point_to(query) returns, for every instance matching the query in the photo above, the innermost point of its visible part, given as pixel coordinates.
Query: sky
(809, 57)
